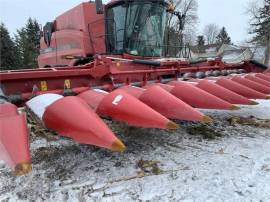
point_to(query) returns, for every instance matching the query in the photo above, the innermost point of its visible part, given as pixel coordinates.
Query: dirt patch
(40, 131)
(206, 131)
(149, 166)
(37, 129)
(45, 154)
(250, 121)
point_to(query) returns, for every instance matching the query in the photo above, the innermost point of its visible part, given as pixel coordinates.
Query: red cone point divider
(257, 79)
(166, 87)
(263, 76)
(165, 103)
(251, 84)
(71, 117)
(14, 144)
(223, 93)
(122, 106)
(199, 98)
(240, 89)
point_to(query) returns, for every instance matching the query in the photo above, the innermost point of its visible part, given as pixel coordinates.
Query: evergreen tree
(8, 50)
(27, 40)
(261, 28)
(200, 43)
(223, 37)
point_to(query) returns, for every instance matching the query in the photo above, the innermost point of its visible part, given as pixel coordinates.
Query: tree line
(20, 51)
(258, 11)
(260, 26)
(213, 36)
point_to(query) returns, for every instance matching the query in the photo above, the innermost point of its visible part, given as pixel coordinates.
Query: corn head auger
(108, 77)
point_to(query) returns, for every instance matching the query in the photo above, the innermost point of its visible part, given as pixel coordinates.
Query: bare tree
(188, 9)
(210, 33)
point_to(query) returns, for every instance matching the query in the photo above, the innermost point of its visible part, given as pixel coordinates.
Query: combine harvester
(108, 60)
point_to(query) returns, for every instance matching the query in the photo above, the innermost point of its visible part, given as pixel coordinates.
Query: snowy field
(182, 165)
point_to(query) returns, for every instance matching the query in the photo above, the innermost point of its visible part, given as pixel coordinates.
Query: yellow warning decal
(43, 86)
(67, 83)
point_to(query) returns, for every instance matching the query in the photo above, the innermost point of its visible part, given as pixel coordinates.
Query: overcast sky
(228, 13)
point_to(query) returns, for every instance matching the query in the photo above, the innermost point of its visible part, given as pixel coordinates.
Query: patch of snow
(234, 167)
(211, 50)
(262, 111)
(231, 55)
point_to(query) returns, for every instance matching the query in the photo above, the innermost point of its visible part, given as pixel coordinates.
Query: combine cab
(110, 61)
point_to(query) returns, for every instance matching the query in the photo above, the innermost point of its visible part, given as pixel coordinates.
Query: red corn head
(165, 103)
(124, 107)
(257, 79)
(251, 84)
(263, 76)
(198, 98)
(71, 117)
(14, 145)
(223, 93)
(240, 89)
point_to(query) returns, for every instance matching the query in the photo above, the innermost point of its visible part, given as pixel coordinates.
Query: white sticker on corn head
(117, 99)
(39, 103)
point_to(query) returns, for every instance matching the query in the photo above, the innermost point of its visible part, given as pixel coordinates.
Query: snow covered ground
(181, 166)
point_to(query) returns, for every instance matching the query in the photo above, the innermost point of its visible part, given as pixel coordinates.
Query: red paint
(264, 77)
(98, 73)
(123, 107)
(196, 97)
(240, 89)
(251, 84)
(134, 91)
(79, 31)
(92, 98)
(222, 92)
(258, 80)
(14, 144)
(72, 117)
(165, 103)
